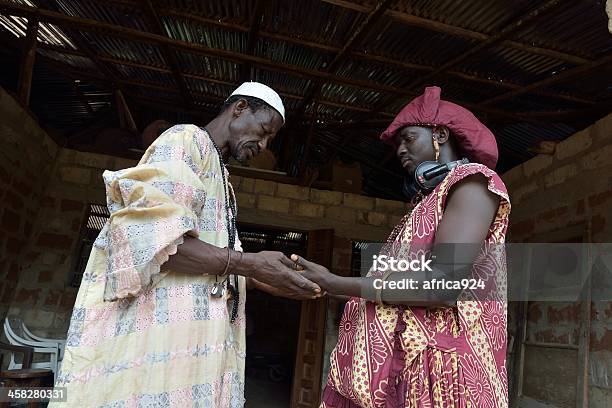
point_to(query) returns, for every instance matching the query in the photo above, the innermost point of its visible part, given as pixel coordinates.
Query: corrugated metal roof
(294, 46)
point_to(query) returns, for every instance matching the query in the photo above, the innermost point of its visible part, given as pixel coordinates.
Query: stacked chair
(48, 352)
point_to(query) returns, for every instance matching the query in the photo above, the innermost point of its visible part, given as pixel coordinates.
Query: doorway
(273, 325)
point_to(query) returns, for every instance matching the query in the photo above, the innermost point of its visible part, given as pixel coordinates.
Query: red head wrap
(475, 140)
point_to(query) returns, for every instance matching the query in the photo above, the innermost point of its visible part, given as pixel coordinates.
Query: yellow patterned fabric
(141, 336)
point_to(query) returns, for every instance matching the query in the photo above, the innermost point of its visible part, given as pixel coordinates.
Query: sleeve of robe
(152, 206)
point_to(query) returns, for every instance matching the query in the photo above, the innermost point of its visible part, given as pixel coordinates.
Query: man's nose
(263, 143)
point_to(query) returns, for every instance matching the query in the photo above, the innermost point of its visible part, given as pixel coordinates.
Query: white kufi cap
(263, 92)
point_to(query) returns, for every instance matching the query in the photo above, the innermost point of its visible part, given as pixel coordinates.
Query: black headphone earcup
(422, 184)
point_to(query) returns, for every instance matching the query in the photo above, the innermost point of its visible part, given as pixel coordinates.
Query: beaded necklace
(230, 222)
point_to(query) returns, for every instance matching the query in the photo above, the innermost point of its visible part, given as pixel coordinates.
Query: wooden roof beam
(64, 20)
(258, 14)
(94, 25)
(364, 29)
(434, 25)
(168, 54)
(75, 36)
(501, 84)
(378, 58)
(307, 145)
(26, 68)
(167, 71)
(506, 31)
(562, 76)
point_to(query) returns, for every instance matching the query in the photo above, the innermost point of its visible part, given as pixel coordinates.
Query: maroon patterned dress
(399, 356)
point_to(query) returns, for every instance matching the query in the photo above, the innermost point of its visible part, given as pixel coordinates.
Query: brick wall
(44, 297)
(288, 206)
(554, 193)
(26, 158)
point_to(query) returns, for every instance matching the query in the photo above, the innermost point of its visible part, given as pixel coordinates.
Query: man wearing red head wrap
(430, 347)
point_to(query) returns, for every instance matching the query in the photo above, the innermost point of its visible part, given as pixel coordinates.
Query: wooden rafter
(401, 17)
(371, 124)
(75, 36)
(404, 18)
(63, 20)
(87, 24)
(500, 84)
(26, 67)
(504, 33)
(168, 54)
(366, 26)
(455, 31)
(125, 115)
(562, 76)
(161, 87)
(319, 46)
(307, 146)
(252, 37)
(82, 98)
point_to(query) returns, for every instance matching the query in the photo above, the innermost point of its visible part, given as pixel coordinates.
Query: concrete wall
(563, 192)
(44, 297)
(27, 155)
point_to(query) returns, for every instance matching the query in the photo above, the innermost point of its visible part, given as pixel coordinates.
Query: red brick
(27, 296)
(598, 224)
(13, 199)
(598, 199)
(5, 176)
(604, 343)
(47, 201)
(547, 336)
(53, 298)
(7, 295)
(554, 214)
(55, 241)
(523, 227)
(13, 246)
(76, 225)
(30, 174)
(13, 272)
(68, 300)
(71, 205)
(27, 229)
(23, 188)
(534, 313)
(45, 276)
(570, 313)
(580, 207)
(11, 221)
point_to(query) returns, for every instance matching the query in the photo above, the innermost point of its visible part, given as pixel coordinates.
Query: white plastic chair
(39, 347)
(61, 344)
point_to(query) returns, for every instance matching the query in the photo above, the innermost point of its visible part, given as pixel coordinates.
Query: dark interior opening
(272, 325)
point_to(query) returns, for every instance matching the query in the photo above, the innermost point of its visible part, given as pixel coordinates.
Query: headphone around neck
(427, 176)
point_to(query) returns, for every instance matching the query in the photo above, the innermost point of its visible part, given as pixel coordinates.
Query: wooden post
(126, 119)
(27, 63)
(584, 339)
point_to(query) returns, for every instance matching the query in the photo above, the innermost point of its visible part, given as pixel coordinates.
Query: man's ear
(240, 106)
(441, 133)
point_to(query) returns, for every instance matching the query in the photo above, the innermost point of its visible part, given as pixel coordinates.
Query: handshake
(294, 278)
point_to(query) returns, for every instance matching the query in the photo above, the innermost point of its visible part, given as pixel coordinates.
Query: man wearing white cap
(159, 318)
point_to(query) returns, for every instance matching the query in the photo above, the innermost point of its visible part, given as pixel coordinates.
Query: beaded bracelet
(227, 264)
